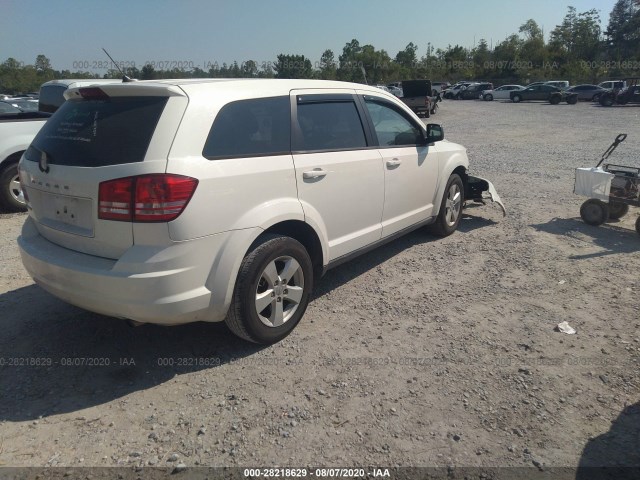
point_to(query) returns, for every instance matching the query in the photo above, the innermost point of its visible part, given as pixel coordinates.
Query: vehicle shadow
(338, 276)
(57, 358)
(611, 238)
(616, 453)
(627, 105)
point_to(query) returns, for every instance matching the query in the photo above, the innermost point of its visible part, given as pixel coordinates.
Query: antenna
(125, 78)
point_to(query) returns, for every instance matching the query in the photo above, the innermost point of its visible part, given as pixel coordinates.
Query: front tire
(451, 207)
(11, 197)
(272, 290)
(516, 98)
(572, 100)
(488, 97)
(555, 100)
(594, 212)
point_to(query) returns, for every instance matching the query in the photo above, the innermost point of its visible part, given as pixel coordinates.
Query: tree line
(578, 50)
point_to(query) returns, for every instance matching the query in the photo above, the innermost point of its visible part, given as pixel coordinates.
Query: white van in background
(52, 92)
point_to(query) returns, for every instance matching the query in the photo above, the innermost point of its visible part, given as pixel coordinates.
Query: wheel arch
(11, 159)
(306, 235)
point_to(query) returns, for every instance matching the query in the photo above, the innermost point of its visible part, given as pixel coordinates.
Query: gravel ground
(425, 352)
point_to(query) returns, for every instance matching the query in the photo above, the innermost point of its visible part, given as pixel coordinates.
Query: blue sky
(71, 32)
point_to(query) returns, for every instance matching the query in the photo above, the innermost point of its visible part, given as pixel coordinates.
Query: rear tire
(11, 198)
(272, 290)
(606, 100)
(451, 208)
(488, 97)
(516, 98)
(572, 100)
(555, 100)
(594, 212)
(617, 210)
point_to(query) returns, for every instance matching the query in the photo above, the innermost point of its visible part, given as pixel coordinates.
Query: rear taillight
(146, 198)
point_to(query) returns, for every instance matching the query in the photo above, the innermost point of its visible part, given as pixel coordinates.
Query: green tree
(407, 57)
(249, 69)
(621, 30)
(148, 73)
(327, 68)
(481, 59)
(43, 65)
(293, 66)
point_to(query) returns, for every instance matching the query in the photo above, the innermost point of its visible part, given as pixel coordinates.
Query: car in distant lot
(395, 91)
(500, 93)
(587, 92)
(174, 201)
(454, 91)
(24, 104)
(613, 84)
(438, 87)
(17, 129)
(549, 93)
(561, 84)
(51, 95)
(474, 91)
(8, 108)
(630, 94)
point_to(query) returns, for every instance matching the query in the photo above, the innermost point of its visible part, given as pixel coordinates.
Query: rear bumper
(153, 284)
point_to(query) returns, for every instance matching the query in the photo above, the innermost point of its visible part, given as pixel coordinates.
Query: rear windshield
(97, 133)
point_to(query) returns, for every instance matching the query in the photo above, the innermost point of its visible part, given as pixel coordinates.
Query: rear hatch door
(98, 134)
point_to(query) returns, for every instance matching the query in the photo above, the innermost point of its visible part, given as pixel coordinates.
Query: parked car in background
(549, 93)
(613, 84)
(438, 87)
(8, 108)
(630, 94)
(561, 84)
(500, 93)
(17, 129)
(395, 91)
(416, 94)
(587, 92)
(51, 95)
(452, 92)
(474, 91)
(24, 104)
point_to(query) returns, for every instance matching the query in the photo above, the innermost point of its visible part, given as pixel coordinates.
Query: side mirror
(435, 133)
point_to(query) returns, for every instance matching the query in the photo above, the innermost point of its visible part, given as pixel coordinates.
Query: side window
(253, 127)
(392, 128)
(330, 125)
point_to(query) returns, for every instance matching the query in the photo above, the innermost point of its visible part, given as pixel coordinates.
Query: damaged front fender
(480, 189)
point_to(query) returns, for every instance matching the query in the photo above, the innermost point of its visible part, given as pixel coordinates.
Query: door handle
(394, 162)
(315, 173)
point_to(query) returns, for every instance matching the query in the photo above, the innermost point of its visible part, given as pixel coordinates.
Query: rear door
(97, 135)
(338, 171)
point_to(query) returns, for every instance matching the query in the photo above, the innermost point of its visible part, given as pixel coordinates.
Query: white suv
(184, 200)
